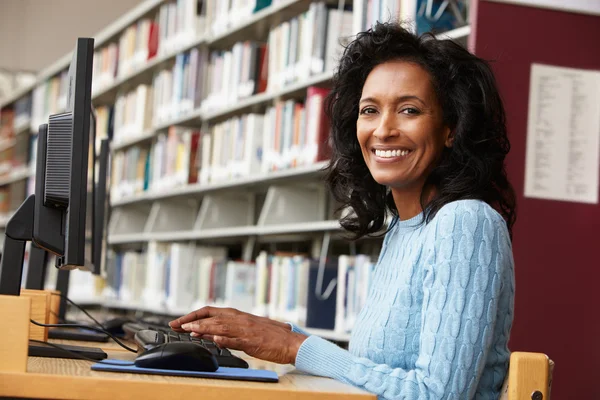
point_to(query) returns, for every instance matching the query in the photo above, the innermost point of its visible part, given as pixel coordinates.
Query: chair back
(529, 377)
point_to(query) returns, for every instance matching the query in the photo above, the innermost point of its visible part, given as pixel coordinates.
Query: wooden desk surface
(73, 379)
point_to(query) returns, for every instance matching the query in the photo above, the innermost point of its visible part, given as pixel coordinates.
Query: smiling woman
(417, 131)
(401, 130)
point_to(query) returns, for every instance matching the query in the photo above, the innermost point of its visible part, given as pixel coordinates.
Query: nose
(387, 126)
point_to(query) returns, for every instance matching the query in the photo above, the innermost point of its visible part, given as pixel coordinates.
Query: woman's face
(400, 125)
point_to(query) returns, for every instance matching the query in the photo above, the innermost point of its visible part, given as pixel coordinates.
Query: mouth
(390, 155)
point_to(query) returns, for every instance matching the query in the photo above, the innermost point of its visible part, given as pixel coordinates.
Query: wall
(35, 33)
(556, 244)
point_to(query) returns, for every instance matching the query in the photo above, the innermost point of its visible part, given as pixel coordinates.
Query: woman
(417, 130)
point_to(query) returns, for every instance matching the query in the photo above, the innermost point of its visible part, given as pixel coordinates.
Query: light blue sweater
(438, 317)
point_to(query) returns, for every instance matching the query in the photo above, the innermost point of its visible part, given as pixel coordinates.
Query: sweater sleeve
(461, 287)
(295, 328)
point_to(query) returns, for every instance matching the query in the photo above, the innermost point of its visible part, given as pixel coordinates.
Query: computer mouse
(186, 356)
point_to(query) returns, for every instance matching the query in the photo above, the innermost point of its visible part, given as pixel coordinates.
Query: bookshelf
(177, 89)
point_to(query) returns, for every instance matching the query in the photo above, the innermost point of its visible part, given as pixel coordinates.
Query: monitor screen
(65, 151)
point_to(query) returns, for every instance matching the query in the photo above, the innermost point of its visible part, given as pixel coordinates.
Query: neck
(408, 201)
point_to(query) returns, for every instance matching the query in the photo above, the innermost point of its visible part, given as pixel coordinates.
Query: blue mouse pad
(238, 374)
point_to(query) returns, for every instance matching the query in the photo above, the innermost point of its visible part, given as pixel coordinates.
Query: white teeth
(391, 153)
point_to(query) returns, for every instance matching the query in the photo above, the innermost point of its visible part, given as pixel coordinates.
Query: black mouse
(185, 356)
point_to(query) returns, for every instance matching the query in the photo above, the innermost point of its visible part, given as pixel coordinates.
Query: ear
(448, 137)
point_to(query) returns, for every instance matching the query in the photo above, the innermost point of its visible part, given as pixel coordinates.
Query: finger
(231, 343)
(201, 336)
(204, 312)
(221, 326)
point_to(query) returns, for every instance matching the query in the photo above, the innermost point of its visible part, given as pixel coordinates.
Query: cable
(77, 355)
(79, 307)
(89, 327)
(57, 316)
(85, 327)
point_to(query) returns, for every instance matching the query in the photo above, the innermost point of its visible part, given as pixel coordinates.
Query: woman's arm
(471, 262)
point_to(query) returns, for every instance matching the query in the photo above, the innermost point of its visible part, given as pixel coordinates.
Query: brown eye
(368, 110)
(410, 111)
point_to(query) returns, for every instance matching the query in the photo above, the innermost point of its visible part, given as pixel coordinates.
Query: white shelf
(104, 94)
(303, 227)
(124, 238)
(457, 33)
(229, 232)
(328, 334)
(18, 94)
(266, 97)
(24, 127)
(130, 141)
(6, 144)
(88, 301)
(240, 32)
(4, 218)
(237, 231)
(16, 175)
(145, 196)
(198, 114)
(172, 236)
(181, 120)
(195, 189)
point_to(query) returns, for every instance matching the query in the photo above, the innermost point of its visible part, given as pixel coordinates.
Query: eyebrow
(398, 99)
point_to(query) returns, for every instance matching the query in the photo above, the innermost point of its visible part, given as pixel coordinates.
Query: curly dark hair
(473, 168)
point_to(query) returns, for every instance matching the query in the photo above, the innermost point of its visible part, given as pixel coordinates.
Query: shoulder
(474, 219)
(470, 233)
(467, 212)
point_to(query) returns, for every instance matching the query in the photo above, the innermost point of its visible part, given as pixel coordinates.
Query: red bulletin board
(556, 244)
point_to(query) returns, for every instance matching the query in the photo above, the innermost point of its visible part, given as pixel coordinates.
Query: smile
(391, 153)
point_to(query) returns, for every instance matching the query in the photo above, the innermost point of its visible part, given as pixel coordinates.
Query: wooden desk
(73, 379)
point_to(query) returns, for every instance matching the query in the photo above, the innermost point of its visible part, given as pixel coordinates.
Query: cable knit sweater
(439, 312)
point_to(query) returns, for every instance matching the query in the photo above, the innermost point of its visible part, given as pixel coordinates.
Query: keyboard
(148, 335)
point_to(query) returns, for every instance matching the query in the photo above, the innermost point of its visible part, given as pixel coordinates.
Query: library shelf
(133, 140)
(17, 174)
(293, 89)
(4, 218)
(7, 143)
(301, 227)
(17, 94)
(329, 334)
(190, 118)
(108, 33)
(127, 238)
(108, 94)
(458, 33)
(236, 231)
(241, 232)
(23, 127)
(138, 198)
(308, 171)
(257, 25)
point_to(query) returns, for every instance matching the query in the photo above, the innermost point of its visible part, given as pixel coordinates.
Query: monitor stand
(19, 230)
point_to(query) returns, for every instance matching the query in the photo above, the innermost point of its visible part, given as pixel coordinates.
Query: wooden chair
(529, 377)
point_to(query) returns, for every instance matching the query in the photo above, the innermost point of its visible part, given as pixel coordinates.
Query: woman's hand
(256, 336)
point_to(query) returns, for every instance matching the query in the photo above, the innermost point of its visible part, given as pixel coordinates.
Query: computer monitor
(54, 217)
(96, 216)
